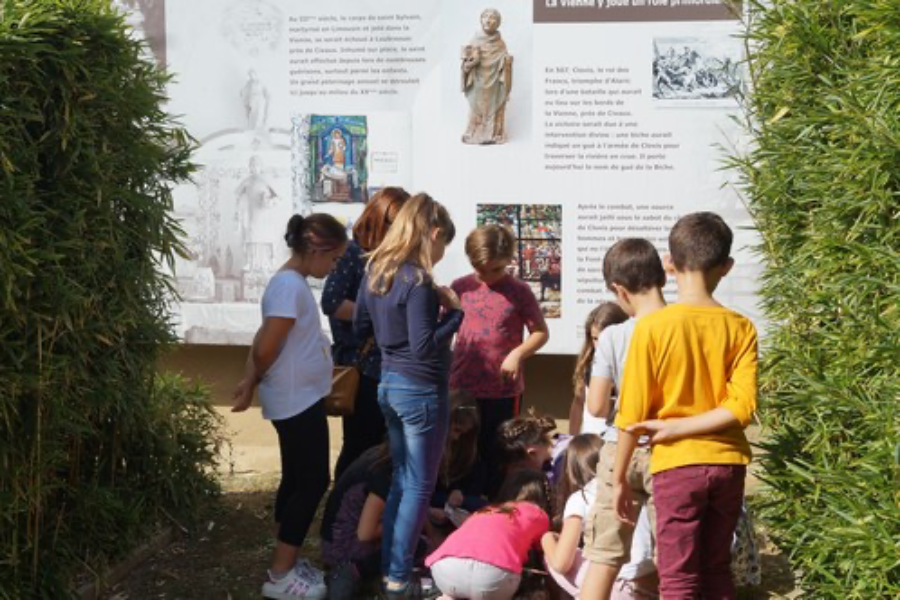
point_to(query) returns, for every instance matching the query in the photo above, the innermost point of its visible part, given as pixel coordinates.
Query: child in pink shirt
(483, 559)
(490, 344)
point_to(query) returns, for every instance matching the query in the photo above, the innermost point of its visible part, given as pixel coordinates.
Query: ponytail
(317, 232)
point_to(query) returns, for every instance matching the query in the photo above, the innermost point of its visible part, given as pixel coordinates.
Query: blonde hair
(409, 240)
(488, 243)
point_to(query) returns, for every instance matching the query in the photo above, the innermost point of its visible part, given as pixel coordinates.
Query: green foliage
(821, 181)
(92, 444)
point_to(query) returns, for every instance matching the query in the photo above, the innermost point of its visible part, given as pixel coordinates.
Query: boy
(490, 349)
(690, 382)
(634, 273)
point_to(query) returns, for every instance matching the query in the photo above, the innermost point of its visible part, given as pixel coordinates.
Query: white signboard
(574, 123)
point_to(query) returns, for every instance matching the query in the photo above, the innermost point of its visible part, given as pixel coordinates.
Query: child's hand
(623, 502)
(448, 298)
(509, 370)
(455, 499)
(659, 430)
(243, 396)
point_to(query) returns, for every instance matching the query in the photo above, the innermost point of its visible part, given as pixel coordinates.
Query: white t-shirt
(301, 375)
(590, 423)
(580, 502)
(609, 362)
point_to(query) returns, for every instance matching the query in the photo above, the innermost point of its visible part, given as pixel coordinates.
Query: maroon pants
(697, 509)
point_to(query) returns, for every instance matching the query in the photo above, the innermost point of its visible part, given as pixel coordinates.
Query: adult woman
(401, 305)
(365, 428)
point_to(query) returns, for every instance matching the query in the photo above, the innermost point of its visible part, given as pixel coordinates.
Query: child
(523, 443)
(365, 427)
(351, 523)
(291, 364)
(577, 491)
(489, 352)
(633, 271)
(399, 303)
(485, 556)
(462, 479)
(690, 382)
(580, 419)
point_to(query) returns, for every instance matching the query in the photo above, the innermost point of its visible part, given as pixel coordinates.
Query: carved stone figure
(254, 215)
(486, 82)
(255, 97)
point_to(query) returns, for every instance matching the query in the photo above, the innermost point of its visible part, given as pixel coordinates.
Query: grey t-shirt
(609, 362)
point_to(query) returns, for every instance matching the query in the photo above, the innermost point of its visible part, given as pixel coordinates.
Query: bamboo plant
(93, 443)
(821, 181)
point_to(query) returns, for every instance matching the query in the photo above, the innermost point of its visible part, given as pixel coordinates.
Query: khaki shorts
(607, 540)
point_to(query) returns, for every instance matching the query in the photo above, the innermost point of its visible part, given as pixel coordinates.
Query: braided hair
(514, 437)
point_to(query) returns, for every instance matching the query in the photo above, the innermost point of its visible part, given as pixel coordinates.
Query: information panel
(574, 123)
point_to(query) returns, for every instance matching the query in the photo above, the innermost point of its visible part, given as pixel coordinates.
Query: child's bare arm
(599, 396)
(669, 430)
(263, 353)
(576, 412)
(559, 549)
(537, 338)
(623, 497)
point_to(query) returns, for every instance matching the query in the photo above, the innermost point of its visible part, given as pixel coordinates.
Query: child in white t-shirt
(578, 490)
(290, 362)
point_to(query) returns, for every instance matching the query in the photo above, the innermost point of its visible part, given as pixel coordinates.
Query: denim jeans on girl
(417, 418)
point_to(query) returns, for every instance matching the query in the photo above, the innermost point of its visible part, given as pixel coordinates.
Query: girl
(399, 303)
(290, 363)
(491, 348)
(462, 478)
(365, 427)
(577, 491)
(351, 523)
(580, 418)
(485, 556)
(524, 443)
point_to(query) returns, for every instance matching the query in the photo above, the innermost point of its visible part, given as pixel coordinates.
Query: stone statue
(255, 97)
(255, 217)
(486, 82)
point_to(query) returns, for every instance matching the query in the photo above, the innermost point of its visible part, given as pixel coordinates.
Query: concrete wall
(548, 378)
(253, 448)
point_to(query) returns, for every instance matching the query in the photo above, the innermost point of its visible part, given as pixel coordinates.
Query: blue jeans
(417, 417)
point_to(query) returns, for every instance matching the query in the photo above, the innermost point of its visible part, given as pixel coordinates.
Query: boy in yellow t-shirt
(690, 383)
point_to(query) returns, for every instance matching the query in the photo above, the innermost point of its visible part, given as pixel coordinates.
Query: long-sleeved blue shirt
(413, 336)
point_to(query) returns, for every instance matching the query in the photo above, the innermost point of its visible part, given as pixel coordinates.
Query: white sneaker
(295, 585)
(307, 569)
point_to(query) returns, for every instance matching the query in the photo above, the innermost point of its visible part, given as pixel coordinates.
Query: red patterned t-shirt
(496, 317)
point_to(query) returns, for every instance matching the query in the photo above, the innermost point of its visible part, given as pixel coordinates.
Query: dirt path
(225, 557)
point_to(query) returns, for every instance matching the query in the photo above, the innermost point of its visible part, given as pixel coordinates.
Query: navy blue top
(343, 284)
(413, 337)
